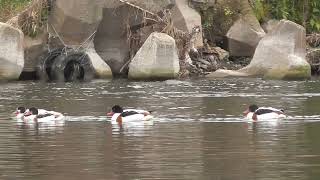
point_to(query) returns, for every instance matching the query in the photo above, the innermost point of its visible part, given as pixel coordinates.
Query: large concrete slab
(156, 59)
(11, 52)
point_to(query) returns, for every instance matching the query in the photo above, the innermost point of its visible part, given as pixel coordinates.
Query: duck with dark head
(121, 115)
(253, 112)
(19, 113)
(38, 115)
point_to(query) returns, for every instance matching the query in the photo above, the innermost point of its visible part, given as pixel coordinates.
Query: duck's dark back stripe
(44, 115)
(128, 113)
(263, 111)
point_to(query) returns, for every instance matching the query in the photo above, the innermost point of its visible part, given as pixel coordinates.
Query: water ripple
(198, 131)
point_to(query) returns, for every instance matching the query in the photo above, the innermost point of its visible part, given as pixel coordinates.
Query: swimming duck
(40, 115)
(263, 113)
(20, 112)
(121, 115)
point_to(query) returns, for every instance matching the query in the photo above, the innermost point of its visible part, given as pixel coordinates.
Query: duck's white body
(132, 118)
(43, 116)
(40, 112)
(268, 116)
(141, 116)
(19, 115)
(276, 114)
(35, 118)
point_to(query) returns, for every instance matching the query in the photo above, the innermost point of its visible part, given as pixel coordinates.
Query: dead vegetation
(32, 20)
(10, 8)
(313, 52)
(313, 40)
(313, 57)
(161, 22)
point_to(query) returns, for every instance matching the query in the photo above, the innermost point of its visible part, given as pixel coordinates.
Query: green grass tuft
(10, 8)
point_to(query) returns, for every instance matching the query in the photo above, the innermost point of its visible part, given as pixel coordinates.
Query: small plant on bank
(304, 12)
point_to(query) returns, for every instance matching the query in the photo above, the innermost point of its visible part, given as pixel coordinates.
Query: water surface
(198, 131)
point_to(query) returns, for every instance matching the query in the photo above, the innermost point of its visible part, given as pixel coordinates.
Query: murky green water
(198, 132)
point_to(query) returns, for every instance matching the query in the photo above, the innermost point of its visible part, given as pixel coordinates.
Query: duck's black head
(33, 110)
(117, 109)
(253, 108)
(21, 109)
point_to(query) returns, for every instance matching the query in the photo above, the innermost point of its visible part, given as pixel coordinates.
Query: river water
(198, 131)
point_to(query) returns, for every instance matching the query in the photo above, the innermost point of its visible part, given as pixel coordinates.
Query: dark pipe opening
(45, 64)
(25, 75)
(50, 60)
(65, 65)
(73, 71)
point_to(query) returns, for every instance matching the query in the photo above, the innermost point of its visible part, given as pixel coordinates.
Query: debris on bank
(313, 53)
(193, 62)
(208, 59)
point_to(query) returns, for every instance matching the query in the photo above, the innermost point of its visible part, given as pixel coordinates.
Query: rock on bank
(156, 59)
(11, 52)
(279, 55)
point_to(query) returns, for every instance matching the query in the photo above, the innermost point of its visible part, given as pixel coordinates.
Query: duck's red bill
(246, 112)
(110, 113)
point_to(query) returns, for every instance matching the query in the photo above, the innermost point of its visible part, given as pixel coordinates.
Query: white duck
(22, 111)
(119, 115)
(40, 115)
(256, 113)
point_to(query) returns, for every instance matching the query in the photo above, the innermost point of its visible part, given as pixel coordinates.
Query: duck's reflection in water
(134, 128)
(42, 127)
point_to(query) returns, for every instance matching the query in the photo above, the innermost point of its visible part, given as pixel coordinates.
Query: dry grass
(10, 8)
(313, 57)
(32, 19)
(313, 40)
